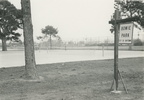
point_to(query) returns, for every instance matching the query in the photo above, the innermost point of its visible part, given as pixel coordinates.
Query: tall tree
(10, 21)
(50, 31)
(30, 64)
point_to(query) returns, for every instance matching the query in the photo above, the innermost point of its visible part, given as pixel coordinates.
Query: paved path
(16, 58)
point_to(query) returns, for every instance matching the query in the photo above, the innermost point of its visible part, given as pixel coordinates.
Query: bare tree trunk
(50, 43)
(4, 45)
(30, 64)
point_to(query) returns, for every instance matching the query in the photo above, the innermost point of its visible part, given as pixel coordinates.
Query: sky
(75, 19)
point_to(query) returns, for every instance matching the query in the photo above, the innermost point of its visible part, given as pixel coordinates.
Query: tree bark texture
(4, 45)
(30, 64)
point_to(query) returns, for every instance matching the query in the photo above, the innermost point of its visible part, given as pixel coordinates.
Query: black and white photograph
(71, 49)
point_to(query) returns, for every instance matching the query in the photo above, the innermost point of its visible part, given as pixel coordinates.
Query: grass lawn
(85, 80)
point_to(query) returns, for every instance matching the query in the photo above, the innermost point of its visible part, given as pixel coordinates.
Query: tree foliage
(133, 8)
(10, 21)
(129, 10)
(49, 31)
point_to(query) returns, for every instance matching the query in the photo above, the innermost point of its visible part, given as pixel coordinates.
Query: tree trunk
(4, 45)
(50, 43)
(30, 65)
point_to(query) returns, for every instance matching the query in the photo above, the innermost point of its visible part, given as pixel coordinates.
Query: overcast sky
(75, 19)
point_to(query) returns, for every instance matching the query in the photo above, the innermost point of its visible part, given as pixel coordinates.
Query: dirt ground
(87, 80)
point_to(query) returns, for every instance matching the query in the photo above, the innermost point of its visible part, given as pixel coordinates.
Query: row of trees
(59, 43)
